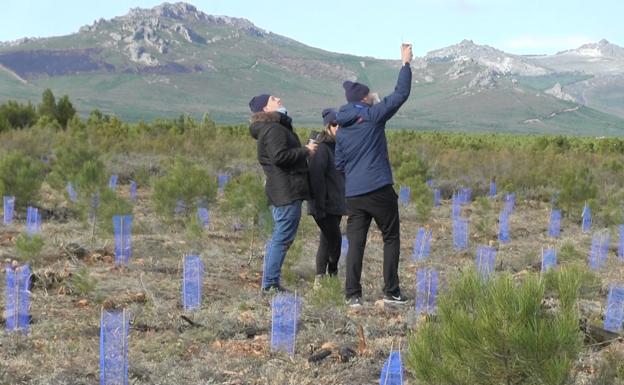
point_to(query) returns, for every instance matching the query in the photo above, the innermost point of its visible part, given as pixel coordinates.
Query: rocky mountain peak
(603, 48)
(147, 35)
(496, 60)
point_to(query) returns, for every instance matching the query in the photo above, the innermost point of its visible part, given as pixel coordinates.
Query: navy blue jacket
(361, 146)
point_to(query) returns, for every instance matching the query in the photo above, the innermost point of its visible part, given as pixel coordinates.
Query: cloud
(541, 44)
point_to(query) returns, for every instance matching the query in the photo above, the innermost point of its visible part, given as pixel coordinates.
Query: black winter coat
(282, 158)
(327, 184)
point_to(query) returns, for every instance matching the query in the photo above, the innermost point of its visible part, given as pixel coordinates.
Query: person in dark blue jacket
(362, 154)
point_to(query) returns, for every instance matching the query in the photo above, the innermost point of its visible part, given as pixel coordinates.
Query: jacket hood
(260, 120)
(349, 114)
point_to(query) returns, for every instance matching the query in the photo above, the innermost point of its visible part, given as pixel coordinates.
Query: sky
(365, 28)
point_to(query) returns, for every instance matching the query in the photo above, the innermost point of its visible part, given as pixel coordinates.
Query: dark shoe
(274, 289)
(395, 299)
(354, 301)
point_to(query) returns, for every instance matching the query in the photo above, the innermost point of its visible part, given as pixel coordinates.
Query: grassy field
(228, 339)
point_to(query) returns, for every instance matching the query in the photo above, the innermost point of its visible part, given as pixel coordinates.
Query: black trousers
(382, 206)
(330, 243)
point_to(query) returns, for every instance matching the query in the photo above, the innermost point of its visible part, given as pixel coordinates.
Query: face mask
(282, 110)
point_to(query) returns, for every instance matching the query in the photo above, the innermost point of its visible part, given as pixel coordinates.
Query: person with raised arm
(362, 154)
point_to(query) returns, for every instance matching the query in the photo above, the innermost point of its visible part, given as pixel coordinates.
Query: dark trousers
(328, 251)
(382, 206)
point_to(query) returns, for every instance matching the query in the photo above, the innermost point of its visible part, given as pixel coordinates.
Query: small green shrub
(576, 187)
(28, 248)
(422, 197)
(569, 254)
(109, 205)
(329, 294)
(244, 198)
(499, 331)
(21, 177)
(77, 163)
(82, 283)
(184, 181)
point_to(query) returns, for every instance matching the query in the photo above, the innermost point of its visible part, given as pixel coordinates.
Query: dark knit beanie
(329, 116)
(257, 103)
(355, 91)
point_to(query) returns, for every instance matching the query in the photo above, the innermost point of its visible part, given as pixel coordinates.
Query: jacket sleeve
(317, 166)
(276, 142)
(339, 158)
(384, 110)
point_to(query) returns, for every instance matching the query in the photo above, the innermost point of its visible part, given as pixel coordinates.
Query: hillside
(174, 59)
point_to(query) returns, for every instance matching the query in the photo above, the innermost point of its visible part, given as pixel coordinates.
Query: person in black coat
(284, 162)
(328, 198)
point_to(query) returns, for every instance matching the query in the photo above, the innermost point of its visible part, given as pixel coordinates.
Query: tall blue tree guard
(492, 192)
(18, 298)
(203, 216)
(460, 233)
(71, 192)
(554, 228)
(133, 190)
(180, 208)
(392, 371)
(285, 312)
(455, 206)
(465, 195)
(509, 202)
(549, 259)
(599, 250)
(437, 197)
(112, 183)
(114, 327)
(426, 290)
(33, 221)
(344, 247)
(123, 239)
(484, 260)
(9, 208)
(503, 227)
(192, 282)
(587, 218)
(404, 195)
(222, 181)
(422, 244)
(614, 314)
(621, 242)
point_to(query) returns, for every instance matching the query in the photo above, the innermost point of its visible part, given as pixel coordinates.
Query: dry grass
(63, 345)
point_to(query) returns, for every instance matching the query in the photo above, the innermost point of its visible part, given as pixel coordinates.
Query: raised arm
(384, 110)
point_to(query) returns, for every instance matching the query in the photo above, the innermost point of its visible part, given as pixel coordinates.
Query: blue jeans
(285, 224)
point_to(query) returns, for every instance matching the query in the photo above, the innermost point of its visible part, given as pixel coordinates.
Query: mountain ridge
(174, 58)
